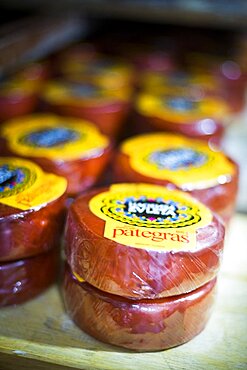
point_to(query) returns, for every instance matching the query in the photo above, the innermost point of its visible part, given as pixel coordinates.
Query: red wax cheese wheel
(16, 98)
(32, 209)
(196, 118)
(182, 163)
(142, 325)
(26, 278)
(106, 108)
(68, 147)
(143, 241)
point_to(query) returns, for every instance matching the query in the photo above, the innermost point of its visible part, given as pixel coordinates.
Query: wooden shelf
(40, 335)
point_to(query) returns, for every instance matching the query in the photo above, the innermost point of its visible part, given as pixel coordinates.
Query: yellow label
(82, 93)
(16, 87)
(180, 108)
(24, 185)
(104, 72)
(150, 217)
(54, 137)
(190, 164)
(178, 81)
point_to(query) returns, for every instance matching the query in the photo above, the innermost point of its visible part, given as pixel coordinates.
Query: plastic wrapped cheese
(32, 209)
(107, 108)
(182, 163)
(143, 241)
(227, 71)
(183, 114)
(17, 97)
(68, 147)
(24, 279)
(142, 325)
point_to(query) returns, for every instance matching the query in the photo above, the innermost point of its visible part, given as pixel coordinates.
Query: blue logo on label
(6, 174)
(83, 90)
(177, 159)
(180, 104)
(13, 180)
(50, 137)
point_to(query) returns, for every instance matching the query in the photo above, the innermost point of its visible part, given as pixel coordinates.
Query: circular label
(189, 164)
(180, 109)
(24, 185)
(82, 93)
(178, 80)
(150, 216)
(52, 137)
(150, 211)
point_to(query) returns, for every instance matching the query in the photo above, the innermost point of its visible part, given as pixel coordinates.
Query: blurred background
(202, 40)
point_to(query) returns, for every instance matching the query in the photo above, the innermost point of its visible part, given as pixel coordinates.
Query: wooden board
(40, 335)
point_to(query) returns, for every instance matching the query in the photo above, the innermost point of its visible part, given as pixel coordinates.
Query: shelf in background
(220, 13)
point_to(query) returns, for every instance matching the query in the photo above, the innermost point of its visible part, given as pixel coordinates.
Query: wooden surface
(39, 334)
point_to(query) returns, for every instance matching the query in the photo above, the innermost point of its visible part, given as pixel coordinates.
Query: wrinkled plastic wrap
(196, 118)
(81, 169)
(26, 278)
(133, 272)
(28, 232)
(106, 108)
(145, 325)
(219, 196)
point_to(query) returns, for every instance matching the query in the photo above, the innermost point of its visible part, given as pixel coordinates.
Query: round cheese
(143, 241)
(141, 325)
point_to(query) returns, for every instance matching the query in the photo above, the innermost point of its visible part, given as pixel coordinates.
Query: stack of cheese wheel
(200, 118)
(142, 265)
(181, 163)
(68, 147)
(32, 206)
(89, 100)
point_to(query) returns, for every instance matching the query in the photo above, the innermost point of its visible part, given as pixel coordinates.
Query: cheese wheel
(106, 108)
(32, 209)
(182, 163)
(143, 241)
(24, 279)
(17, 97)
(229, 74)
(68, 147)
(183, 114)
(141, 325)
